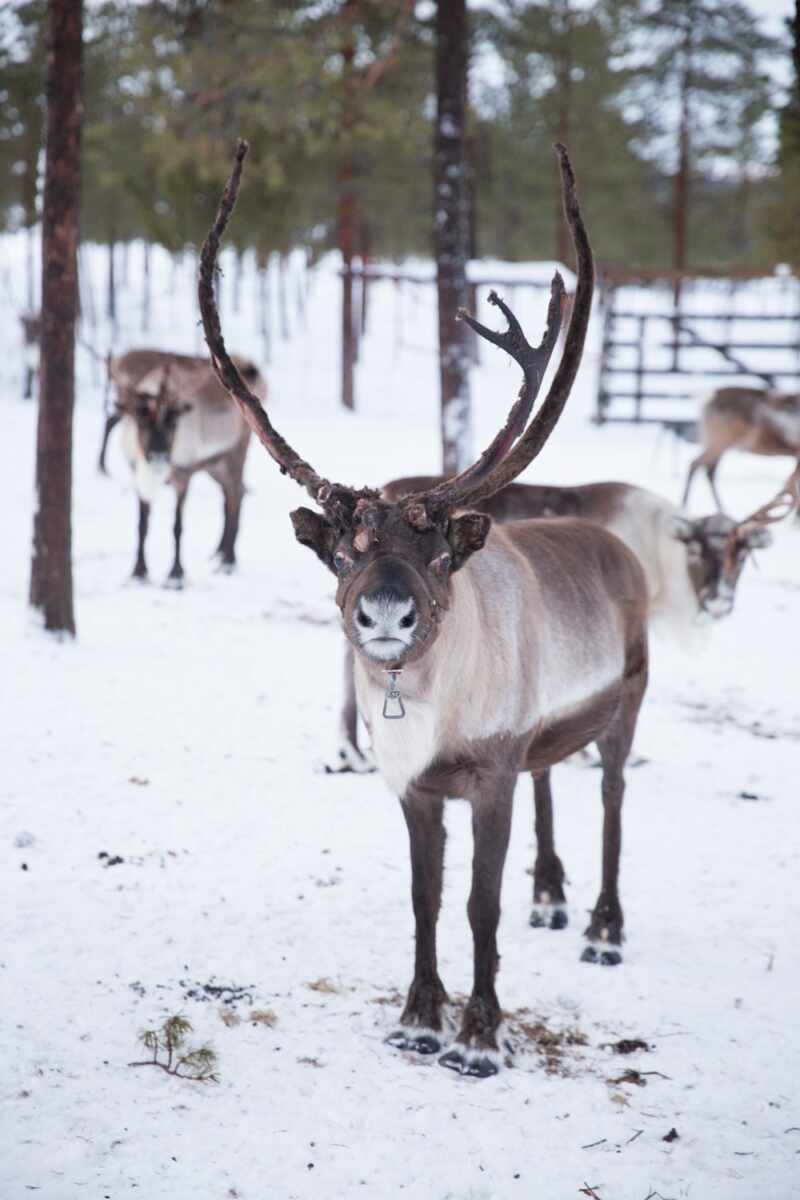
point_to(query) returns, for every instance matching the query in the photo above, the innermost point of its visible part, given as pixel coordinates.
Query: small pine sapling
(165, 1045)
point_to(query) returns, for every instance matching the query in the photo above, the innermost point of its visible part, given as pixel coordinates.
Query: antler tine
(488, 477)
(330, 495)
(779, 507)
(533, 360)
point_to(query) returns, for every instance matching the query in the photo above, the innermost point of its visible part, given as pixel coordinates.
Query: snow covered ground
(182, 732)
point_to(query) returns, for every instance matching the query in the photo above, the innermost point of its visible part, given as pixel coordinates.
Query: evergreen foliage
(170, 84)
(165, 1046)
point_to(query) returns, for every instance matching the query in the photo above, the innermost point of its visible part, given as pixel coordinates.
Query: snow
(182, 732)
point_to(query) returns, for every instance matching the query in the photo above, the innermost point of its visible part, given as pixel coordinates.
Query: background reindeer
(516, 646)
(692, 566)
(124, 372)
(762, 422)
(176, 420)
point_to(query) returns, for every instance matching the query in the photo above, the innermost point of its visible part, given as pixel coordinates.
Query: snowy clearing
(182, 733)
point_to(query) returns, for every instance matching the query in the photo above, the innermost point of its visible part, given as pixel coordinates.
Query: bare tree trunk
(111, 293)
(564, 70)
(51, 567)
(264, 321)
(238, 272)
(29, 270)
(450, 232)
(681, 189)
(301, 284)
(366, 259)
(283, 302)
(347, 204)
(146, 287)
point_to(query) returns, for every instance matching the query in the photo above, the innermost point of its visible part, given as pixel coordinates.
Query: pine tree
(704, 62)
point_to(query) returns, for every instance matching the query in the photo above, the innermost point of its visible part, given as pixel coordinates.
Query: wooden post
(51, 567)
(642, 326)
(450, 232)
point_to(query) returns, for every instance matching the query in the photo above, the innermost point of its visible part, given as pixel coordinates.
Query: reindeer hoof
(420, 1043)
(350, 759)
(548, 916)
(610, 956)
(480, 1064)
(225, 568)
(174, 583)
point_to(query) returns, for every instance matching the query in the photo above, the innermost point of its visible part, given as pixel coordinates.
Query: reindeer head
(394, 562)
(717, 547)
(155, 406)
(715, 555)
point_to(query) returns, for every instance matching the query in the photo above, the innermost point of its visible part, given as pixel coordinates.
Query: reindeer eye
(441, 564)
(342, 562)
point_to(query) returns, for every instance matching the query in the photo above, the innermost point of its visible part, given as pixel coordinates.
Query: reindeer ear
(466, 534)
(314, 531)
(680, 527)
(757, 538)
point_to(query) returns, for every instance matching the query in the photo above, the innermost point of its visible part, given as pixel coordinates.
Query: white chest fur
(402, 748)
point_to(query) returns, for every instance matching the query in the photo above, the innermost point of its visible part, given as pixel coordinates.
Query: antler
(337, 500)
(499, 464)
(778, 508)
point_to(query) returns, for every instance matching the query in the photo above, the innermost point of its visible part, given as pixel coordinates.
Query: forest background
(682, 114)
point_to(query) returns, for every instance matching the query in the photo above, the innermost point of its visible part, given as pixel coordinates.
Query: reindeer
(177, 420)
(124, 371)
(692, 566)
(481, 651)
(763, 422)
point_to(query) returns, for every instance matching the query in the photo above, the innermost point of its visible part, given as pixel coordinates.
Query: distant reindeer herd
(493, 628)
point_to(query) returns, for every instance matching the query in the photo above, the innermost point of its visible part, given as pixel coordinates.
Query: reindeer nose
(387, 612)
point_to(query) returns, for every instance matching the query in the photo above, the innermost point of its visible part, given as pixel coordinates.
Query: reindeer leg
(233, 507)
(604, 931)
(711, 472)
(693, 466)
(421, 1022)
(475, 1050)
(112, 420)
(228, 474)
(348, 756)
(549, 907)
(175, 577)
(140, 569)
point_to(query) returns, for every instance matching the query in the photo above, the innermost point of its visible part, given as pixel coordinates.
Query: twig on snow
(198, 1065)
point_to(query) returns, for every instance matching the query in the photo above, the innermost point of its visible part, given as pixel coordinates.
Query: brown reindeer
(692, 566)
(753, 419)
(176, 420)
(481, 651)
(123, 373)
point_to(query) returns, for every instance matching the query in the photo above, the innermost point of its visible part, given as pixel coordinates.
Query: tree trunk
(111, 295)
(264, 315)
(146, 287)
(347, 203)
(283, 301)
(681, 191)
(238, 272)
(450, 232)
(51, 567)
(563, 243)
(30, 291)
